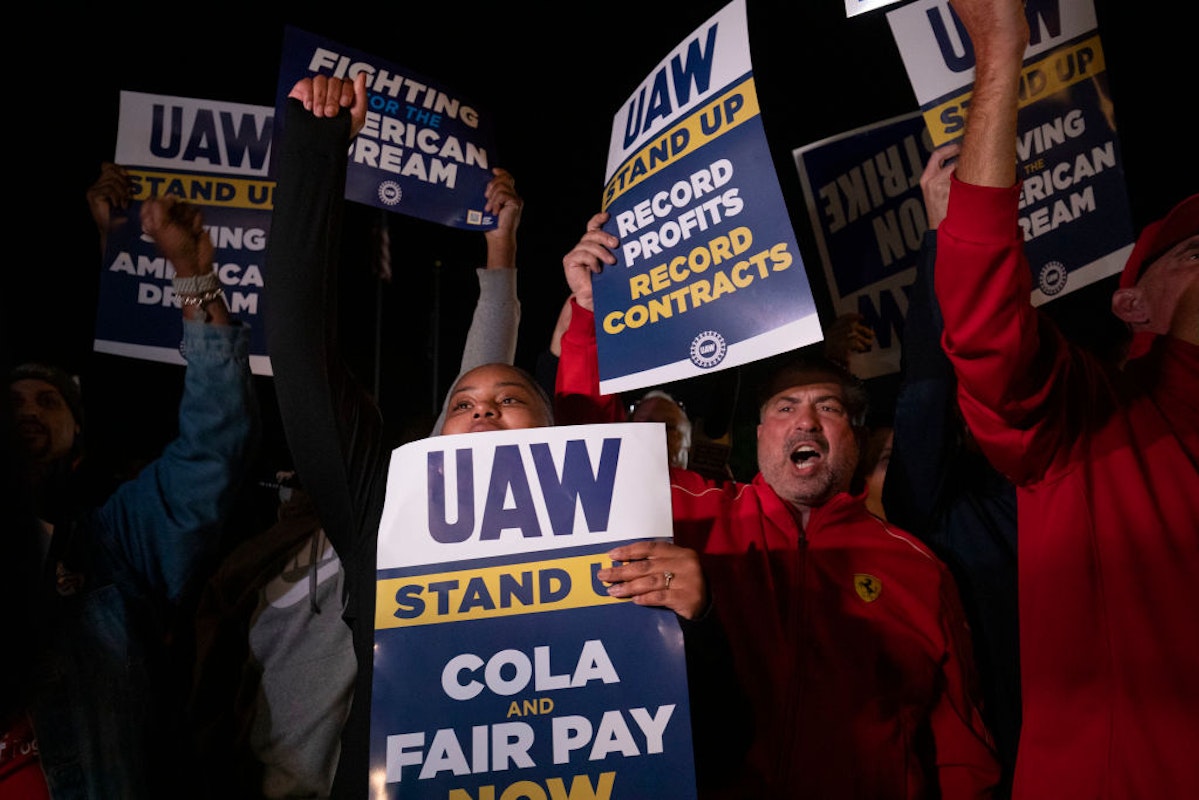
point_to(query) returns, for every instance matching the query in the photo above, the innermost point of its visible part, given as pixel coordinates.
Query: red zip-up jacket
(1105, 464)
(849, 637)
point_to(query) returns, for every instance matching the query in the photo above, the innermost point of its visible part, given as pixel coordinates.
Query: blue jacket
(114, 573)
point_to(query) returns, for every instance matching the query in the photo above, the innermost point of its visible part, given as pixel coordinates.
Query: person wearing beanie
(848, 636)
(1104, 459)
(94, 716)
(47, 408)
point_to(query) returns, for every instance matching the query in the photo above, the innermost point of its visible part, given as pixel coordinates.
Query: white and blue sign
(502, 667)
(708, 273)
(862, 190)
(216, 156)
(426, 150)
(1074, 208)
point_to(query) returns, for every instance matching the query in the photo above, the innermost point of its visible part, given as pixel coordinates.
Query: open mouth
(804, 455)
(31, 430)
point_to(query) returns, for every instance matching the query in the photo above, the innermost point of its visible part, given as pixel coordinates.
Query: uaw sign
(502, 666)
(1074, 210)
(215, 155)
(708, 273)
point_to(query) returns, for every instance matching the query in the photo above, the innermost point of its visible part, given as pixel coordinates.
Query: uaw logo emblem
(1053, 277)
(708, 349)
(390, 193)
(868, 587)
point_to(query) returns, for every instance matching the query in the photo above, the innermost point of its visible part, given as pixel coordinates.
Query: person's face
(807, 449)
(45, 424)
(494, 397)
(678, 426)
(1166, 281)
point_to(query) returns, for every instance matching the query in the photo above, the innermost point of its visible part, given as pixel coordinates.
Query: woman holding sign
(333, 427)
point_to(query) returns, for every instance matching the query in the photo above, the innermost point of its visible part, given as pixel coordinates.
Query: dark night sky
(554, 78)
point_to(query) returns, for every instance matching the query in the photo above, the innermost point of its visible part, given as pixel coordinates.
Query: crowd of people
(979, 590)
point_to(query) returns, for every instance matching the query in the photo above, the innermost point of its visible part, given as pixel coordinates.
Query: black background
(554, 75)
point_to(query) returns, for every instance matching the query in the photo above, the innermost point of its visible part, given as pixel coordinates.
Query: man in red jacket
(1104, 461)
(847, 633)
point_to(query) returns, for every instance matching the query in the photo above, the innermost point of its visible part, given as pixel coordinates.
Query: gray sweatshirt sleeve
(493, 329)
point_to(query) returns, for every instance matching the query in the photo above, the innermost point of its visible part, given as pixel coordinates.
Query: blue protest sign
(502, 666)
(1074, 208)
(215, 155)
(708, 273)
(425, 151)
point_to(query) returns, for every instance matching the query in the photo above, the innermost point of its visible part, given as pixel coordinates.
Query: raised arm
(177, 228)
(999, 34)
(166, 520)
(577, 399)
(926, 421)
(1020, 387)
(496, 321)
(333, 427)
(108, 196)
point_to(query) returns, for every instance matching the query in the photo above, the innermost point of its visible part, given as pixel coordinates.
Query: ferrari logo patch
(868, 587)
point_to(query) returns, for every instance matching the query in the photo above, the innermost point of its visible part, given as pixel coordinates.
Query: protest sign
(426, 150)
(708, 273)
(1074, 209)
(862, 190)
(215, 155)
(502, 667)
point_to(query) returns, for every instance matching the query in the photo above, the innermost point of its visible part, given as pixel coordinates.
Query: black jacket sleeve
(333, 428)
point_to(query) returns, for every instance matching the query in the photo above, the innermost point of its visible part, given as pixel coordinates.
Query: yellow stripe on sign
(204, 190)
(1054, 73)
(490, 592)
(706, 123)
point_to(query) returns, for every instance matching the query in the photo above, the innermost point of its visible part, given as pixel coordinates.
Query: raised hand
(177, 228)
(111, 192)
(506, 204)
(590, 255)
(934, 182)
(326, 96)
(848, 335)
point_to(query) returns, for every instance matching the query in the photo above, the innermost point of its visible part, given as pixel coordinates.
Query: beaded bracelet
(197, 290)
(196, 285)
(200, 299)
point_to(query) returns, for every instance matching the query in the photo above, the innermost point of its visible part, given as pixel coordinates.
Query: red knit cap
(1182, 222)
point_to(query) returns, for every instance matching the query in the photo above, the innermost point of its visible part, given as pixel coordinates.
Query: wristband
(196, 285)
(200, 299)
